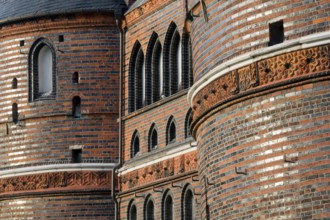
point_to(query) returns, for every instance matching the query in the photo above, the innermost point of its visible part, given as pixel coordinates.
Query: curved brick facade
(261, 112)
(237, 27)
(37, 175)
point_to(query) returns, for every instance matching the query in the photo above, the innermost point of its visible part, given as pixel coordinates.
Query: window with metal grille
(135, 144)
(188, 205)
(171, 131)
(149, 209)
(168, 207)
(132, 212)
(188, 122)
(15, 113)
(136, 79)
(76, 107)
(276, 33)
(153, 138)
(187, 74)
(42, 70)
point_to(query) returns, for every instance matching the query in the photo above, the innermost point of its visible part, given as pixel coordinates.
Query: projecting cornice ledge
(293, 61)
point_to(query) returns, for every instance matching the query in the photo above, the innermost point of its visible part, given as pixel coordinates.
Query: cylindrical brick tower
(261, 107)
(59, 105)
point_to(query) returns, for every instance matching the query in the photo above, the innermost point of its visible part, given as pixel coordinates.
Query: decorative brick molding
(56, 181)
(160, 170)
(262, 74)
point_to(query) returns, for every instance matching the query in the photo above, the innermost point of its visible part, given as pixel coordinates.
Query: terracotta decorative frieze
(263, 73)
(145, 10)
(158, 171)
(57, 180)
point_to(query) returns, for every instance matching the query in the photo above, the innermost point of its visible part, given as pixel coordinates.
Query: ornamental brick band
(160, 170)
(57, 181)
(289, 67)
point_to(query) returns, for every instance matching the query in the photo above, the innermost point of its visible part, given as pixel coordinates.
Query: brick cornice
(282, 69)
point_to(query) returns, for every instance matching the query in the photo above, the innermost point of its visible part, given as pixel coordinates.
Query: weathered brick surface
(268, 155)
(46, 129)
(236, 27)
(65, 206)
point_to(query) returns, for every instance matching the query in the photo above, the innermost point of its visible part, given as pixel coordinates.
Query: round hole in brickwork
(309, 60)
(267, 70)
(287, 65)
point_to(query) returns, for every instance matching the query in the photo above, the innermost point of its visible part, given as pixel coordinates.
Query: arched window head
(167, 208)
(14, 83)
(15, 113)
(172, 61)
(187, 74)
(76, 107)
(153, 138)
(188, 122)
(154, 70)
(135, 145)
(132, 212)
(136, 78)
(149, 209)
(171, 131)
(188, 206)
(42, 70)
(75, 77)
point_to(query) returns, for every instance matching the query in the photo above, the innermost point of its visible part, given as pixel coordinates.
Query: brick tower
(59, 108)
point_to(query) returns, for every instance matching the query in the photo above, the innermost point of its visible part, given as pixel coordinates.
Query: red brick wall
(237, 27)
(280, 140)
(46, 129)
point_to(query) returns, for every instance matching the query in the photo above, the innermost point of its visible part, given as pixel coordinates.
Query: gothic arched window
(135, 144)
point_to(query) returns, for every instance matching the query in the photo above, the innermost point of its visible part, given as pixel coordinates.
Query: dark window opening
(76, 155)
(187, 74)
(15, 113)
(157, 69)
(153, 138)
(21, 43)
(75, 77)
(149, 212)
(132, 215)
(188, 122)
(188, 205)
(171, 131)
(276, 33)
(61, 38)
(76, 107)
(136, 74)
(175, 63)
(135, 146)
(168, 209)
(14, 84)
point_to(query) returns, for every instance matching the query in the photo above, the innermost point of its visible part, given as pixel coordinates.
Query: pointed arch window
(154, 70)
(153, 138)
(136, 78)
(188, 206)
(132, 212)
(135, 144)
(172, 61)
(187, 74)
(42, 70)
(149, 209)
(168, 206)
(188, 122)
(171, 131)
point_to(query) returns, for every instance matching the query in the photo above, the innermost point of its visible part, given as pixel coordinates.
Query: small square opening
(21, 43)
(276, 33)
(61, 38)
(76, 155)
